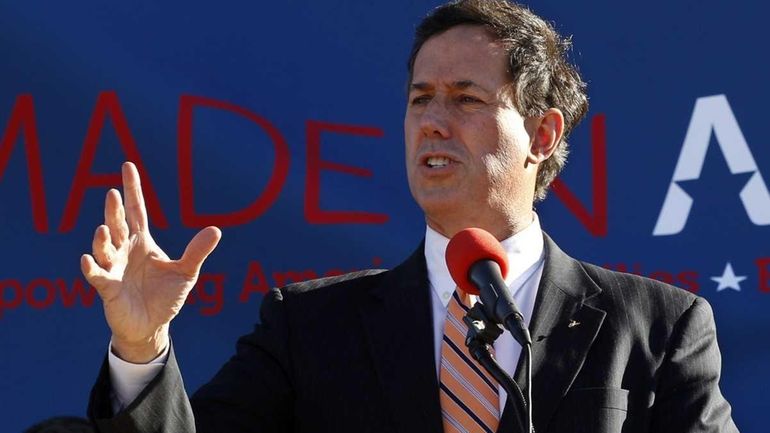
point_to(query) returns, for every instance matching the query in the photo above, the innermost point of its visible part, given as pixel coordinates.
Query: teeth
(437, 161)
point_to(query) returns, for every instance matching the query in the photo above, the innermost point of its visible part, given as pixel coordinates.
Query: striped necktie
(469, 396)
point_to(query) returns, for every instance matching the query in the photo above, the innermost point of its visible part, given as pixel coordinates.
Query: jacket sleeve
(162, 406)
(251, 392)
(688, 398)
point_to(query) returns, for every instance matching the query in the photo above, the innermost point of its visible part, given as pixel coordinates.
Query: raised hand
(141, 288)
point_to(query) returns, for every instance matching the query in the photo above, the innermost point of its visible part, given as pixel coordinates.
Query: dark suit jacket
(355, 354)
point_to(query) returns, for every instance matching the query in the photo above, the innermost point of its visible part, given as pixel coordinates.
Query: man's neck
(500, 230)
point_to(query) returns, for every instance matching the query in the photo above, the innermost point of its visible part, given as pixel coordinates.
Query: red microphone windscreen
(468, 247)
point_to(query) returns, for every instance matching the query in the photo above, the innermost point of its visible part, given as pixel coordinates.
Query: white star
(729, 280)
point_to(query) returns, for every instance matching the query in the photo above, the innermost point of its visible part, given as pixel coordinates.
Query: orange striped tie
(468, 395)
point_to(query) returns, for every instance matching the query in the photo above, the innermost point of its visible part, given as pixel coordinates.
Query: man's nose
(434, 121)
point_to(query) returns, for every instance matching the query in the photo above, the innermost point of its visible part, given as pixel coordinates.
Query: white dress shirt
(525, 266)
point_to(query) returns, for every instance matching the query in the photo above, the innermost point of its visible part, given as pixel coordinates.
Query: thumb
(198, 249)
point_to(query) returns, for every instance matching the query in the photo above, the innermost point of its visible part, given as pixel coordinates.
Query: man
(491, 100)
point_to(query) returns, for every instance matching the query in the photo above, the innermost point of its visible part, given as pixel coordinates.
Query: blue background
(344, 62)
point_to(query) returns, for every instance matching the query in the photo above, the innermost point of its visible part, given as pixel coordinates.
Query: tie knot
(462, 298)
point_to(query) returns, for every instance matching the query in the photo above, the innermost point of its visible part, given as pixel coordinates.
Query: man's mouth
(437, 161)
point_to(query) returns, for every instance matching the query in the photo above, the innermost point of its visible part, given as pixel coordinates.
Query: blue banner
(283, 125)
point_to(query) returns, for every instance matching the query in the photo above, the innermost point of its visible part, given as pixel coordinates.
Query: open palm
(141, 288)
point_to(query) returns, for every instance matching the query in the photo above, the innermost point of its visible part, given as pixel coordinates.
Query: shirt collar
(524, 250)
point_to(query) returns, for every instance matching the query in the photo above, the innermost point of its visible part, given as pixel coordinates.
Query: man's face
(466, 144)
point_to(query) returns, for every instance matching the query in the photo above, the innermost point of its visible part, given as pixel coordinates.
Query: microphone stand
(482, 333)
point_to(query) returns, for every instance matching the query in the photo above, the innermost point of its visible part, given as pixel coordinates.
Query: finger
(198, 249)
(136, 213)
(103, 250)
(115, 218)
(96, 276)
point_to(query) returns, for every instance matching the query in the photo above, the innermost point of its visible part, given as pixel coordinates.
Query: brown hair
(542, 77)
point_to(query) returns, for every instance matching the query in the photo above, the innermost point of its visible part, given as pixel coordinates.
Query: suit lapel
(564, 325)
(397, 317)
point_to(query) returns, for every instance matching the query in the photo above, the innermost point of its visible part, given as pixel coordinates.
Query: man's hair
(541, 75)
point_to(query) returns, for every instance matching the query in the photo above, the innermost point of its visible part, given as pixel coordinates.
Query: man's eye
(465, 99)
(420, 100)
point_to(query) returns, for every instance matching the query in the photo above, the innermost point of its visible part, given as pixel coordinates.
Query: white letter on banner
(713, 113)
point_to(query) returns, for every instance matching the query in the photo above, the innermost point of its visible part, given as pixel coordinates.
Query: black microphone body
(497, 301)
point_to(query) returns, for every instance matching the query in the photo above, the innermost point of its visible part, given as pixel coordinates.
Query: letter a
(713, 113)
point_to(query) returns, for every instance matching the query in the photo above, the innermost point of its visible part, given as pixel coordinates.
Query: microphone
(478, 265)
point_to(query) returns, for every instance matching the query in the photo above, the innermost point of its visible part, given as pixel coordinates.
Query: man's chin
(439, 204)
(445, 216)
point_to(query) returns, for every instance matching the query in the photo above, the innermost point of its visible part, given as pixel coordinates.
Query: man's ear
(549, 129)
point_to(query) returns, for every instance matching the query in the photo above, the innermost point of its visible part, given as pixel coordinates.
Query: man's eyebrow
(457, 85)
(467, 84)
(420, 86)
